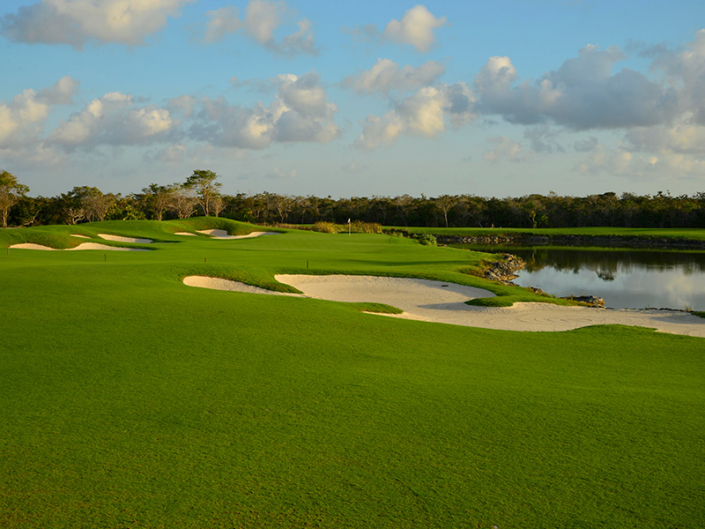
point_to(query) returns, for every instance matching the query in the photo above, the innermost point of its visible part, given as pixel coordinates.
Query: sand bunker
(441, 302)
(217, 283)
(119, 238)
(83, 246)
(185, 233)
(444, 303)
(222, 234)
(80, 236)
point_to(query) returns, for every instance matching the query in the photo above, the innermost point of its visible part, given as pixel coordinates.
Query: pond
(624, 278)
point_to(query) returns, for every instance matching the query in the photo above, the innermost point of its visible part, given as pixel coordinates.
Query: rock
(593, 301)
(503, 271)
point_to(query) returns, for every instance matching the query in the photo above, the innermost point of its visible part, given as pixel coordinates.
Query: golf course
(132, 398)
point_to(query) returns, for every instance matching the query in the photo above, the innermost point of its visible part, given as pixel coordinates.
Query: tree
(183, 201)
(445, 203)
(206, 188)
(283, 204)
(11, 191)
(159, 198)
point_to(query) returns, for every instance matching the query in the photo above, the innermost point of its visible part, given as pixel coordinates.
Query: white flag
(348, 221)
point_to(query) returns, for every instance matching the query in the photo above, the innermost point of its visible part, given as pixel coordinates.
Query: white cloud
(300, 112)
(415, 28)
(618, 161)
(61, 92)
(685, 136)
(386, 75)
(76, 22)
(543, 139)
(184, 105)
(422, 114)
(262, 19)
(113, 119)
(685, 72)
(23, 118)
(582, 94)
(221, 23)
(506, 149)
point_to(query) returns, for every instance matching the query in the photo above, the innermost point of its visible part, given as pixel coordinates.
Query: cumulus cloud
(262, 19)
(114, 120)
(506, 149)
(423, 114)
(221, 23)
(543, 139)
(300, 112)
(683, 137)
(685, 71)
(582, 94)
(184, 105)
(618, 161)
(386, 75)
(23, 118)
(61, 92)
(662, 115)
(415, 28)
(76, 22)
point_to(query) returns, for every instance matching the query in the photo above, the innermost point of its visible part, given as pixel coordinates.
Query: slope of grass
(130, 400)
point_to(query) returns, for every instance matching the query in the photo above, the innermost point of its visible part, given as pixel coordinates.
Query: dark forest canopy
(200, 195)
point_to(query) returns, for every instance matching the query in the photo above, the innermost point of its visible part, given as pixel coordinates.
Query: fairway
(129, 399)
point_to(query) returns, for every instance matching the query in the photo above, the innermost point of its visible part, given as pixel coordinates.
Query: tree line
(200, 194)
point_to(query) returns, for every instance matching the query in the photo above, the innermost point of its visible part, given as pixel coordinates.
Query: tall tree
(206, 188)
(159, 198)
(11, 191)
(182, 202)
(445, 203)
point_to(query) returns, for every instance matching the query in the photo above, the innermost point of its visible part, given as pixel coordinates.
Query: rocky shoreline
(504, 272)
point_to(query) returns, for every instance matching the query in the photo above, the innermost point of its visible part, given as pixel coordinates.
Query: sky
(502, 98)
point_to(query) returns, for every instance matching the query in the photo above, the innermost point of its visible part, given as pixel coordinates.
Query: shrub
(366, 227)
(325, 227)
(427, 239)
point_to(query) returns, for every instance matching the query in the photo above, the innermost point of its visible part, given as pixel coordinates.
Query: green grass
(130, 400)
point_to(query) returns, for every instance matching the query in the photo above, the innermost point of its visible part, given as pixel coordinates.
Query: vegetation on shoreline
(200, 192)
(557, 233)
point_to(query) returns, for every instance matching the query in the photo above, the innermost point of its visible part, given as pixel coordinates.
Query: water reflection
(624, 278)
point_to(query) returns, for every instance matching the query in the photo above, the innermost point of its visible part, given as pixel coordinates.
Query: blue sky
(498, 98)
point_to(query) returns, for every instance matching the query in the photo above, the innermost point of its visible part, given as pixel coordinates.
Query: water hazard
(624, 278)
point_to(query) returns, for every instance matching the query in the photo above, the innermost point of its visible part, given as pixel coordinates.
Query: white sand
(83, 246)
(119, 238)
(31, 246)
(436, 301)
(185, 233)
(431, 301)
(80, 236)
(222, 234)
(217, 283)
